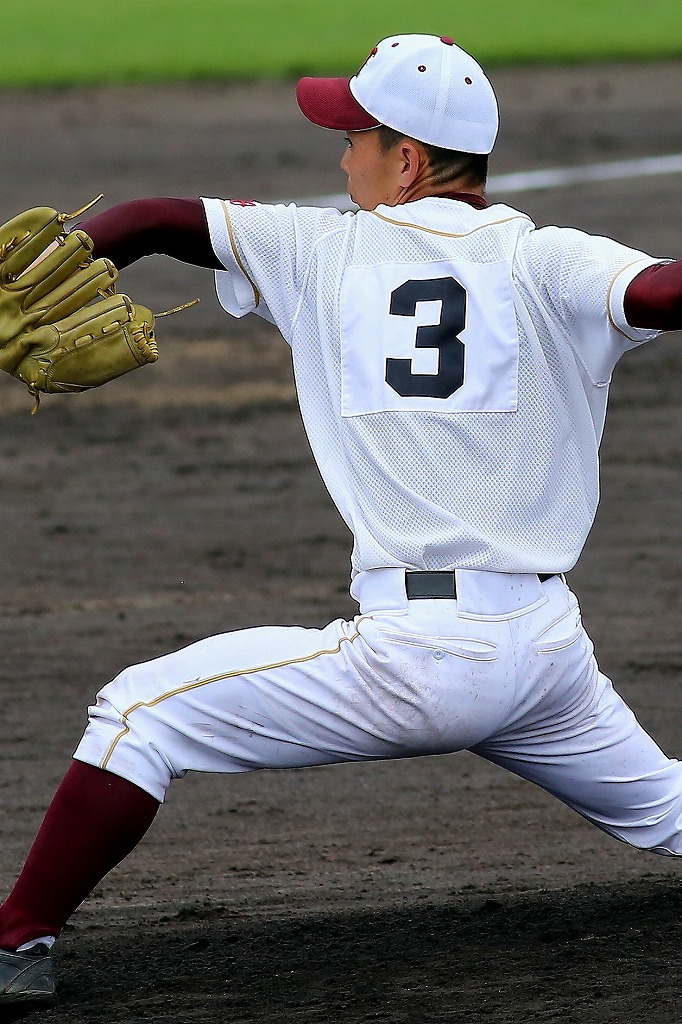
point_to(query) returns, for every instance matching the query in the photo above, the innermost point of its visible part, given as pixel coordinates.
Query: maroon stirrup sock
(94, 820)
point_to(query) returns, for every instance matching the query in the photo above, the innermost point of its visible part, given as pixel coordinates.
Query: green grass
(61, 42)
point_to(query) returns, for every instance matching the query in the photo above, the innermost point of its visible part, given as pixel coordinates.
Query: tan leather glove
(96, 344)
(62, 327)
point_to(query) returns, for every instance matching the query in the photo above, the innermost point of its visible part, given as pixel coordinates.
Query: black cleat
(26, 980)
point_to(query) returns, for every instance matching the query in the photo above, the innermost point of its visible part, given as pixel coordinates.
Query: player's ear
(412, 161)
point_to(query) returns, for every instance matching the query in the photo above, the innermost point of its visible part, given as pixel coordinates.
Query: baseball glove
(62, 325)
(96, 344)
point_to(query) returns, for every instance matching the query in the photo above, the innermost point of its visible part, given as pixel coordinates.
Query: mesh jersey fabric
(498, 472)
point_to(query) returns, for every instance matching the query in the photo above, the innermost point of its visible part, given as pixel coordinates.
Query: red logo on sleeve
(242, 202)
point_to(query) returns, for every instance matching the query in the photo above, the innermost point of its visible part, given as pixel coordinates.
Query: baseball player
(452, 364)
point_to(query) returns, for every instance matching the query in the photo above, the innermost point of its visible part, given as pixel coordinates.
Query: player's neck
(475, 199)
(462, 190)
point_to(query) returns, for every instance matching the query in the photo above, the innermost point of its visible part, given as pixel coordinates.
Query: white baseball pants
(505, 670)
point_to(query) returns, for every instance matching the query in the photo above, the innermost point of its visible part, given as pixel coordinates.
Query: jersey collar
(472, 198)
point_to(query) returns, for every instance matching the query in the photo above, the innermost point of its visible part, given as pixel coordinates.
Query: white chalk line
(644, 167)
(531, 181)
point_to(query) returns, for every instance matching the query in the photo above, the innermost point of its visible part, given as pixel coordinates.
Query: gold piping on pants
(214, 679)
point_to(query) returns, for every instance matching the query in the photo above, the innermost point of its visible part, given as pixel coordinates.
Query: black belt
(425, 585)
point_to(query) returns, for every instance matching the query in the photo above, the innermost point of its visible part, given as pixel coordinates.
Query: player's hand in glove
(90, 347)
(35, 291)
(62, 325)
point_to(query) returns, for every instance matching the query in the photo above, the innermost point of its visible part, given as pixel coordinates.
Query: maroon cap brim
(329, 103)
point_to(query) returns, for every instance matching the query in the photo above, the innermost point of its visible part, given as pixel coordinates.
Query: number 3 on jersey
(443, 336)
(428, 337)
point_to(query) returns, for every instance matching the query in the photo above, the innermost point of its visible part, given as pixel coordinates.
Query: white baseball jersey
(452, 367)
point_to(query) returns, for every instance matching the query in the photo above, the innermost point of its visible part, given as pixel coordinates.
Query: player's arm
(172, 227)
(653, 299)
(260, 252)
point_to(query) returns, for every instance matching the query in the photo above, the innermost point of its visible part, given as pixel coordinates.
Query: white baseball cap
(424, 86)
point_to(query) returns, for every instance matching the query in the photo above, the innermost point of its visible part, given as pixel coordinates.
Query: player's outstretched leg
(94, 821)
(577, 738)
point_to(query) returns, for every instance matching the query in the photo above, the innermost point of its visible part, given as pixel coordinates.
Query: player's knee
(124, 736)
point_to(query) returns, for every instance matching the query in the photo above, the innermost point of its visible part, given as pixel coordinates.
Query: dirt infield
(182, 501)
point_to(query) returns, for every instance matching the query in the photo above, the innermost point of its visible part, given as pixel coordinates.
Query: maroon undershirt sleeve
(172, 227)
(653, 299)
